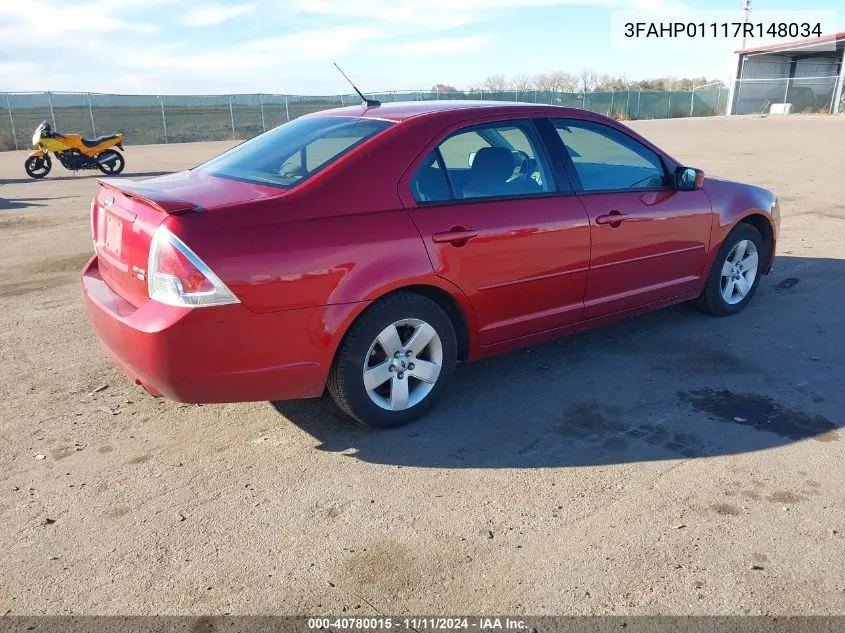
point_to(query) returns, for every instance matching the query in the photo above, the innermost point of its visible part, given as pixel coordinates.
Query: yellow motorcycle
(74, 152)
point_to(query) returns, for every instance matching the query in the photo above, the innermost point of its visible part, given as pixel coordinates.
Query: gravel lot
(674, 463)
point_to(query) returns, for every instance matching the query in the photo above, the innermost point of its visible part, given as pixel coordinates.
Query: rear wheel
(110, 162)
(38, 166)
(395, 361)
(736, 272)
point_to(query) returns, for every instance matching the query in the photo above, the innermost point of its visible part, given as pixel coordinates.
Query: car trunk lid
(126, 213)
(124, 218)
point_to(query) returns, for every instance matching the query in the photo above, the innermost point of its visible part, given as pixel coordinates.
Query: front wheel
(736, 272)
(38, 166)
(110, 162)
(395, 361)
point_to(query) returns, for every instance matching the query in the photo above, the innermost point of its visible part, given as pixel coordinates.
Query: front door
(495, 224)
(649, 241)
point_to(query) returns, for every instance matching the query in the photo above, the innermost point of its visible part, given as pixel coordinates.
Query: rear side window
(608, 160)
(291, 153)
(429, 184)
(496, 160)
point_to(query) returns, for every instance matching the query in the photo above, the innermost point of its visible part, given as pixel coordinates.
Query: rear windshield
(290, 153)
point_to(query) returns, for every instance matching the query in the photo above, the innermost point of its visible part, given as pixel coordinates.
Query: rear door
(649, 241)
(514, 240)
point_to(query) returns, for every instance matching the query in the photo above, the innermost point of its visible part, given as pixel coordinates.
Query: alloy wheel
(739, 272)
(403, 364)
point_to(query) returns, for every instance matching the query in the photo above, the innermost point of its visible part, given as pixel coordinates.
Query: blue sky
(287, 46)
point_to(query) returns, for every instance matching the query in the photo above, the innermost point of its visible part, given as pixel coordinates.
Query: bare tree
(443, 88)
(588, 79)
(541, 81)
(523, 83)
(564, 81)
(607, 83)
(558, 81)
(496, 83)
(671, 83)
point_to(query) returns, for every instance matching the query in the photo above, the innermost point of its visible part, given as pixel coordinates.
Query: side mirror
(688, 179)
(471, 159)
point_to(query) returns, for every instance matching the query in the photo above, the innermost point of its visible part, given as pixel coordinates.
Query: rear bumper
(219, 354)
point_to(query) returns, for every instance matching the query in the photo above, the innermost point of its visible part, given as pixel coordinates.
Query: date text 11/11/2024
(722, 29)
(419, 623)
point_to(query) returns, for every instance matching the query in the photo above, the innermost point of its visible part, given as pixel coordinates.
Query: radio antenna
(371, 103)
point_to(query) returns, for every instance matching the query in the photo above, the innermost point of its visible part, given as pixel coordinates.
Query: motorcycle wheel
(38, 166)
(114, 165)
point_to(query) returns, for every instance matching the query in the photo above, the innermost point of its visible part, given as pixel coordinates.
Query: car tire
(736, 272)
(384, 343)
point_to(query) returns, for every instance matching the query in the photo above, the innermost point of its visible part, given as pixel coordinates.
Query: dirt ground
(675, 463)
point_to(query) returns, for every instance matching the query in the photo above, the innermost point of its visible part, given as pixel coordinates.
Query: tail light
(177, 277)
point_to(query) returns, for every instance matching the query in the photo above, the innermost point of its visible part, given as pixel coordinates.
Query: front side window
(608, 160)
(291, 153)
(496, 160)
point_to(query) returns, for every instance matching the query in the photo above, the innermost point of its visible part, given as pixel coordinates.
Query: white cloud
(138, 46)
(213, 15)
(447, 14)
(11, 68)
(276, 52)
(437, 46)
(20, 20)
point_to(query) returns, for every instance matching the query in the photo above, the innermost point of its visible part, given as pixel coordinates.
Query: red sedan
(369, 249)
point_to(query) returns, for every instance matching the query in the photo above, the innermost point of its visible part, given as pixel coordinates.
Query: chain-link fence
(149, 119)
(806, 94)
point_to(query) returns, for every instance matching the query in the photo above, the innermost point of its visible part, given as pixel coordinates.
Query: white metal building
(808, 74)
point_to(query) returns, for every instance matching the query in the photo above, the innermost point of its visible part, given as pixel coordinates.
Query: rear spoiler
(160, 200)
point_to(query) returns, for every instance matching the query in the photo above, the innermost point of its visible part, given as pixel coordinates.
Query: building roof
(796, 44)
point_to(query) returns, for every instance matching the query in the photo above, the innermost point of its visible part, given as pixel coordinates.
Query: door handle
(456, 236)
(614, 218)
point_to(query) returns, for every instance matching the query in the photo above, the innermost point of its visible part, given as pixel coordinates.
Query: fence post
(261, 105)
(838, 87)
(481, 94)
(52, 115)
(394, 95)
(436, 94)
(612, 97)
(232, 117)
(786, 92)
(11, 120)
(341, 101)
(584, 100)
(692, 101)
(287, 111)
(91, 112)
(669, 106)
(163, 118)
(628, 103)
(719, 99)
(639, 98)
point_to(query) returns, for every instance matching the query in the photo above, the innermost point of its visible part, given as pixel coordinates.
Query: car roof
(402, 110)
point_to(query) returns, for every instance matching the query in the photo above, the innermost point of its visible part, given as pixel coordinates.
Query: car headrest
(430, 185)
(493, 164)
